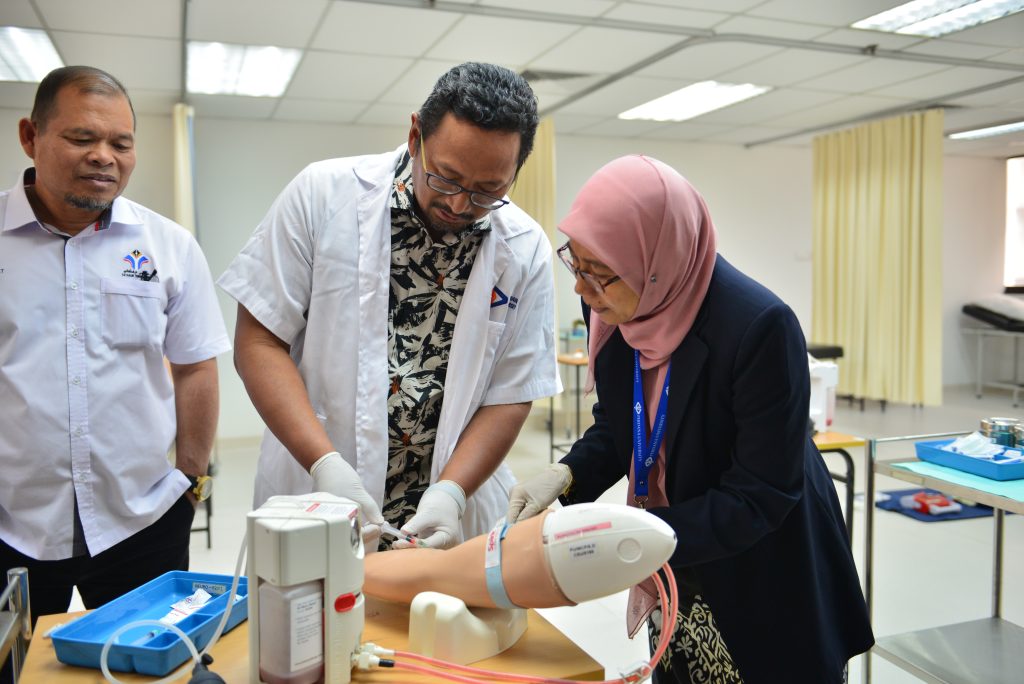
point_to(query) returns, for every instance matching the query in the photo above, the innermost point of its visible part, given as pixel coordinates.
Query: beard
(87, 203)
(443, 227)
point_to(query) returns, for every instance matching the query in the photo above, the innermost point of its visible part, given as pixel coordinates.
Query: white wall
(760, 200)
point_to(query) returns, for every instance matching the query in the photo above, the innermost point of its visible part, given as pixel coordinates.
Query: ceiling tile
(707, 60)
(771, 27)
(146, 101)
(686, 130)
(871, 74)
(950, 48)
(1008, 32)
(667, 16)
(837, 112)
(501, 41)
(833, 13)
(1007, 95)
(791, 66)
(18, 13)
(157, 19)
(742, 135)
(945, 82)
(254, 22)
(381, 30)
(618, 128)
(296, 109)
(622, 95)
(413, 86)
(19, 96)
(765, 107)
(151, 63)
(861, 38)
(387, 115)
(1015, 56)
(591, 50)
(731, 6)
(232, 106)
(571, 123)
(335, 76)
(583, 8)
(968, 119)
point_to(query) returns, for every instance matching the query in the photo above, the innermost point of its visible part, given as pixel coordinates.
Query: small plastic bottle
(292, 633)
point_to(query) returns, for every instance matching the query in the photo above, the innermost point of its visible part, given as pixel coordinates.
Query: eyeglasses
(447, 187)
(566, 256)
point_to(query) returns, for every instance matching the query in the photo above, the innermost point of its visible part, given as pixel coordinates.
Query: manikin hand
(332, 474)
(529, 498)
(437, 522)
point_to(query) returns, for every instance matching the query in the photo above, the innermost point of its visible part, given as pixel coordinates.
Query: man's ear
(27, 133)
(414, 134)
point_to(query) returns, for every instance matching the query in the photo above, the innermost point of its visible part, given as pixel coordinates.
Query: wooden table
(542, 650)
(838, 443)
(577, 360)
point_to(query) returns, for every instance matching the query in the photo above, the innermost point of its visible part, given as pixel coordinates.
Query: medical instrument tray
(993, 469)
(148, 649)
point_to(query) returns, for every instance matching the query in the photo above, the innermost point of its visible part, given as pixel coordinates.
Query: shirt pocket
(133, 313)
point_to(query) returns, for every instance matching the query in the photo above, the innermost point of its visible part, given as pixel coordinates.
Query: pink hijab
(652, 228)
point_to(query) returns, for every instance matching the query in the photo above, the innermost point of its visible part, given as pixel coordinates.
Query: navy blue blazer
(755, 512)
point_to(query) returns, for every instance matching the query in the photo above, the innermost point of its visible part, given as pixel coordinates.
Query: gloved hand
(332, 474)
(529, 498)
(438, 517)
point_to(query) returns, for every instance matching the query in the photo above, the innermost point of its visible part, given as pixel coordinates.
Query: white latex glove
(438, 517)
(529, 498)
(332, 474)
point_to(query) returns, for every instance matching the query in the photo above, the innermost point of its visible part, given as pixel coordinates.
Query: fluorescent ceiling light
(988, 132)
(255, 70)
(26, 54)
(939, 17)
(694, 100)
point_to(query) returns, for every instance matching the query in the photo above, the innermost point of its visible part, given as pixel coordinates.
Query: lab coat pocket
(495, 329)
(133, 313)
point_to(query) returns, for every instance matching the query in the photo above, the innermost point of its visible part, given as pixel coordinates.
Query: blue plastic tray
(993, 470)
(149, 650)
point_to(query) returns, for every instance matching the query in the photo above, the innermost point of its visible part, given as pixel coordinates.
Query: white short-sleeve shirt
(86, 403)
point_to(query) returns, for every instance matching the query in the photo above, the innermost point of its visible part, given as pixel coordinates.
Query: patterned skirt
(696, 653)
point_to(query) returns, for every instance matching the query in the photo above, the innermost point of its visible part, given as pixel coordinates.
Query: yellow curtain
(534, 189)
(877, 256)
(184, 202)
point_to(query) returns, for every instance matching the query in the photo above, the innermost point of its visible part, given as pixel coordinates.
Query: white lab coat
(316, 274)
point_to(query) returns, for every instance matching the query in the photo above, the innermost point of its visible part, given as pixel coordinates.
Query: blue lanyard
(645, 454)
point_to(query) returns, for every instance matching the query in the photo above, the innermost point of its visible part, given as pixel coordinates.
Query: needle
(388, 528)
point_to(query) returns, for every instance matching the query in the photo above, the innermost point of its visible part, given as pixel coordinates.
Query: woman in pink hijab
(703, 390)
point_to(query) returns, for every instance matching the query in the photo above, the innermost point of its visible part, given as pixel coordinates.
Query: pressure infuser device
(306, 608)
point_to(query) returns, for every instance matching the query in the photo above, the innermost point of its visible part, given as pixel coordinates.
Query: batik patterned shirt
(428, 279)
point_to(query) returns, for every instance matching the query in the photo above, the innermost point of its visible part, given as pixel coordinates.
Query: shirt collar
(19, 212)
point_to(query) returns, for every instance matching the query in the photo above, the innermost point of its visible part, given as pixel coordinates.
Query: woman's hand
(529, 498)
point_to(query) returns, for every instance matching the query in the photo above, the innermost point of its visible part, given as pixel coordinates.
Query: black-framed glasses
(566, 256)
(448, 187)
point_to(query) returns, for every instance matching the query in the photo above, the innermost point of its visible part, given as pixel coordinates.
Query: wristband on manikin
(492, 567)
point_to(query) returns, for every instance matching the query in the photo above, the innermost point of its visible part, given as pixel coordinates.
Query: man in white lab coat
(395, 317)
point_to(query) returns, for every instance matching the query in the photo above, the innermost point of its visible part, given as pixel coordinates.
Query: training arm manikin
(558, 558)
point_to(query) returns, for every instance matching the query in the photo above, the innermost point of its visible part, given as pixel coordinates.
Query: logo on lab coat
(140, 266)
(499, 298)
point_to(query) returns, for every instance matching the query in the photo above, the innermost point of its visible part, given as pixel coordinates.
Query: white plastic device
(597, 549)
(306, 607)
(442, 626)
(824, 379)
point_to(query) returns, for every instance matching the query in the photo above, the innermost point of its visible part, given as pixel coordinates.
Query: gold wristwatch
(201, 486)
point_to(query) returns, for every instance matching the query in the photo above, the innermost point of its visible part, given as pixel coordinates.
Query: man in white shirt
(396, 317)
(95, 292)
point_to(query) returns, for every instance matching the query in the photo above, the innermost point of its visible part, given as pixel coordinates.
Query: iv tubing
(670, 605)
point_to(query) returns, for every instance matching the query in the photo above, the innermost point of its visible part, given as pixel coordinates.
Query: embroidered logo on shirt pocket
(132, 312)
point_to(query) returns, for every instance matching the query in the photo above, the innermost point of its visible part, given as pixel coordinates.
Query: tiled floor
(925, 574)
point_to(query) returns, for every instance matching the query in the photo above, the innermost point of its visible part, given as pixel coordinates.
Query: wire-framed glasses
(448, 187)
(566, 256)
